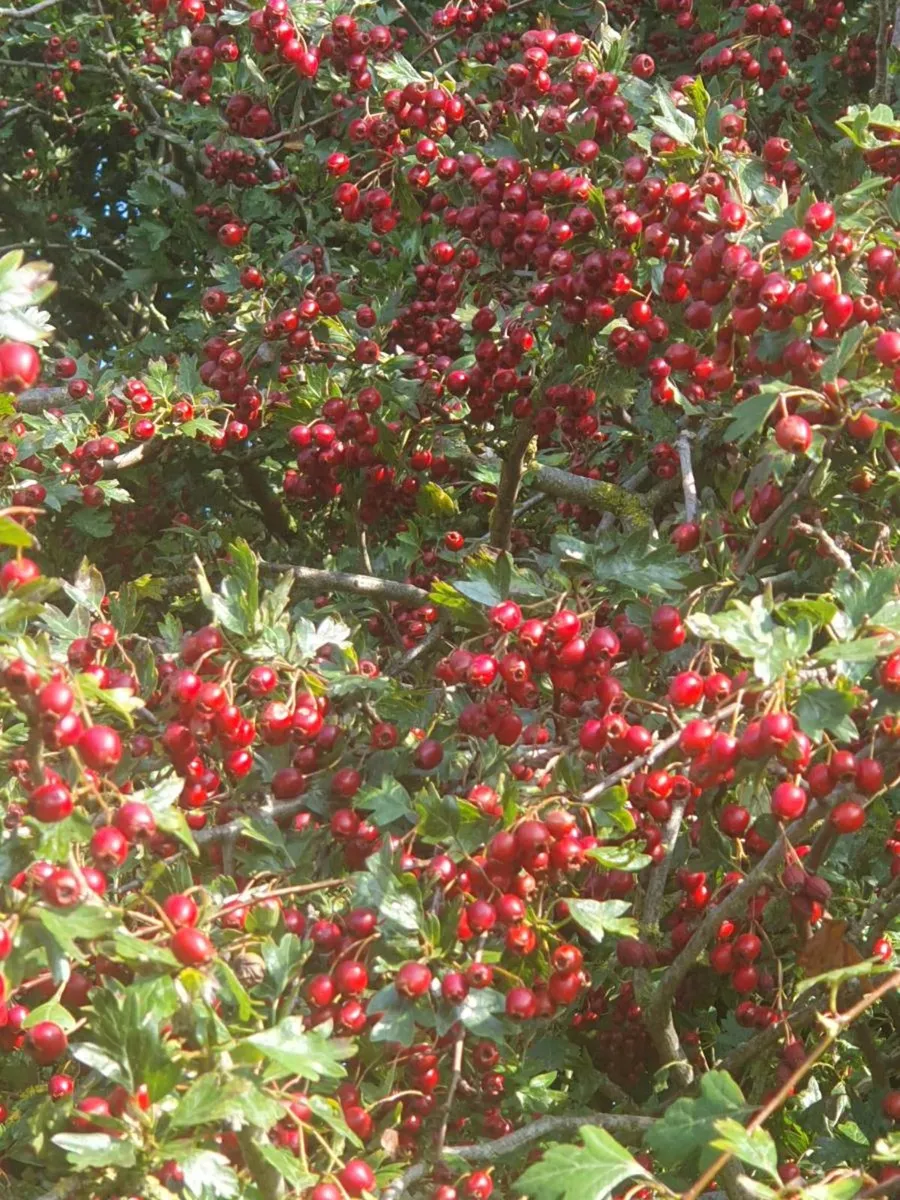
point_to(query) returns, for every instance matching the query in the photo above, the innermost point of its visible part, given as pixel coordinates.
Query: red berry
(192, 947)
(46, 1042)
(413, 980)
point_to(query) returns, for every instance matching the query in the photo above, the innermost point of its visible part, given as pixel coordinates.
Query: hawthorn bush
(449, 618)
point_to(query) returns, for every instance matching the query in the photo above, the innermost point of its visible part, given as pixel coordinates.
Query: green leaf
(843, 352)
(101, 1061)
(640, 566)
(233, 985)
(206, 1172)
(92, 522)
(826, 709)
(481, 591)
(388, 801)
(397, 72)
(757, 1149)
(211, 1098)
(287, 1166)
(87, 922)
(477, 1012)
(751, 414)
(433, 501)
(87, 1150)
(398, 903)
(589, 1172)
(599, 917)
(448, 597)
(298, 1051)
(751, 630)
(686, 1131)
(397, 1023)
(619, 858)
(52, 1010)
(862, 650)
(678, 124)
(330, 1113)
(135, 950)
(14, 534)
(121, 701)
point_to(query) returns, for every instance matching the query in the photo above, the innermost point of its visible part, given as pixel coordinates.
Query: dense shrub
(449, 619)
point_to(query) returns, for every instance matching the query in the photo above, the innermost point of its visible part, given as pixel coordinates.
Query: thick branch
(627, 1129)
(38, 400)
(660, 1007)
(275, 812)
(590, 493)
(688, 483)
(510, 481)
(361, 585)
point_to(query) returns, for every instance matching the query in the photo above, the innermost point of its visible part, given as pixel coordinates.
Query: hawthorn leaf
(757, 1149)
(751, 415)
(330, 1112)
(296, 1050)
(101, 1061)
(599, 917)
(842, 353)
(87, 1150)
(592, 1171)
(388, 801)
(478, 1012)
(287, 1166)
(820, 710)
(206, 1172)
(396, 1024)
(686, 1131)
(14, 534)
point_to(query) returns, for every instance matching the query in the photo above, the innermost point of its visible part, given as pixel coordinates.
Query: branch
(881, 86)
(655, 752)
(688, 483)
(430, 639)
(361, 585)
(128, 458)
(510, 482)
(761, 1043)
(834, 1026)
(275, 515)
(19, 14)
(591, 493)
(660, 1007)
(274, 812)
(627, 1128)
(797, 492)
(38, 400)
(817, 530)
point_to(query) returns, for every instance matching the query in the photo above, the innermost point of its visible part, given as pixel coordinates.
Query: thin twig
(405, 660)
(361, 585)
(834, 1026)
(19, 14)
(638, 764)
(817, 530)
(797, 492)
